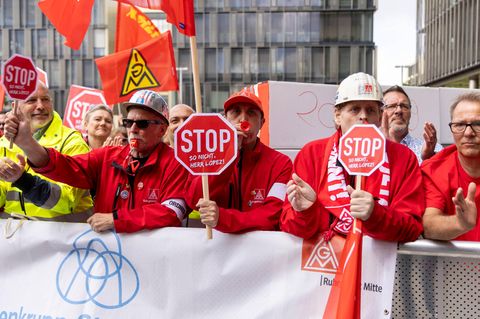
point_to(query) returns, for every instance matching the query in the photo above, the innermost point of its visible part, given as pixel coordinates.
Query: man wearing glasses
(451, 177)
(139, 186)
(28, 193)
(396, 120)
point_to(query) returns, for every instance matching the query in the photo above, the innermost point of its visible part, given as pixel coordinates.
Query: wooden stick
(359, 181)
(206, 196)
(198, 108)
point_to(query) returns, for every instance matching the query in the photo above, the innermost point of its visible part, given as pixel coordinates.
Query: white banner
(60, 270)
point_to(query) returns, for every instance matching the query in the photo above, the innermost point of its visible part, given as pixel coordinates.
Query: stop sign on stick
(362, 149)
(19, 77)
(79, 100)
(206, 144)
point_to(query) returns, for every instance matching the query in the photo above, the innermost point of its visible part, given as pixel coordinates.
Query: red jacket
(154, 200)
(262, 177)
(400, 221)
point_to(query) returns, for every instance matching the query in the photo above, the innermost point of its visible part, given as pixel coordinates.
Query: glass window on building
(30, 9)
(199, 28)
(278, 63)
(261, 3)
(344, 29)
(58, 45)
(68, 73)
(8, 13)
(210, 64)
(303, 27)
(318, 65)
(250, 27)
(315, 27)
(213, 4)
(290, 64)
(317, 3)
(290, 27)
(263, 64)
(53, 71)
(345, 4)
(236, 4)
(99, 42)
(330, 27)
(290, 3)
(184, 59)
(277, 27)
(210, 32)
(88, 79)
(358, 23)
(238, 32)
(223, 28)
(220, 64)
(19, 42)
(264, 30)
(218, 95)
(344, 62)
(98, 13)
(236, 66)
(252, 63)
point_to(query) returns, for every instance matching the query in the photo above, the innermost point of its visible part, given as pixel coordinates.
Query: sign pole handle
(359, 184)
(196, 75)
(14, 109)
(206, 196)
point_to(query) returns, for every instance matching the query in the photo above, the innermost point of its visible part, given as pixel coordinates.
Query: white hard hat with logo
(359, 87)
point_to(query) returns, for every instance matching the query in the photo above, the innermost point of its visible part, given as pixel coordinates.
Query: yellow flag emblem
(138, 75)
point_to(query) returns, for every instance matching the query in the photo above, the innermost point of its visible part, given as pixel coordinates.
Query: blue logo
(97, 272)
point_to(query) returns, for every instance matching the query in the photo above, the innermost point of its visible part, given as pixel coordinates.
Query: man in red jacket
(320, 195)
(452, 177)
(249, 194)
(138, 186)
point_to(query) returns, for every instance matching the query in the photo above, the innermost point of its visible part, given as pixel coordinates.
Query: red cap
(244, 96)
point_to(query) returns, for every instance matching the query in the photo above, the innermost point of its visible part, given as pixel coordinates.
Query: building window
(220, 64)
(278, 63)
(88, 79)
(344, 61)
(277, 27)
(53, 71)
(290, 64)
(8, 13)
(236, 64)
(19, 42)
(58, 40)
(98, 12)
(263, 64)
(210, 64)
(250, 28)
(223, 28)
(99, 42)
(30, 9)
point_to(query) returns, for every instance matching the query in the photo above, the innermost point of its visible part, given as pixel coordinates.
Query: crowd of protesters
(130, 180)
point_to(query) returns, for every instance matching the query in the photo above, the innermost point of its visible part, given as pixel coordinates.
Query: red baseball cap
(244, 96)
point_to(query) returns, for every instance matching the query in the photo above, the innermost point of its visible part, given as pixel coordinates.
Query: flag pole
(198, 108)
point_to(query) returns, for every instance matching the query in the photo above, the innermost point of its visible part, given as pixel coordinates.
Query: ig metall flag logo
(96, 271)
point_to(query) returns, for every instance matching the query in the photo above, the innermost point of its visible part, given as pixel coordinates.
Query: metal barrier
(437, 280)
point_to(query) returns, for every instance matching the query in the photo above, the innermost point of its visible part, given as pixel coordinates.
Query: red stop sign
(362, 149)
(19, 77)
(206, 144)
(79, 100)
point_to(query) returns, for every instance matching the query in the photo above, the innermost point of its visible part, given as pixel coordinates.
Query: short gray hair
(95, 107)
(472, 96)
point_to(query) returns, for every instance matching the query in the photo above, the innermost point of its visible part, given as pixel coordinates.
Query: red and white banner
(63, 270)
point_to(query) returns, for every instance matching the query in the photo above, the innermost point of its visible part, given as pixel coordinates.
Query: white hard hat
(359, 87)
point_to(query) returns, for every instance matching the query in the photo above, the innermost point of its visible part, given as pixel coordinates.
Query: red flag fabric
(179, 12)
(2, 97)
(71, 18)
(150, 65)
(345, 296)
(133, 27)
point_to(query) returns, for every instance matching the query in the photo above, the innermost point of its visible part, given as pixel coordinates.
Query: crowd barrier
(437, 280)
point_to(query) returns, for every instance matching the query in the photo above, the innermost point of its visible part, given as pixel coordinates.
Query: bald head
(178, 114)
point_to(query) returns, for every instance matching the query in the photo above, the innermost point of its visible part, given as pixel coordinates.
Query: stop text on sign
(20, 75)
(213, 140)
(358, 146)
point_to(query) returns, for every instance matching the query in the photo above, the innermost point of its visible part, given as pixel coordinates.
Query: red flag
(344, 300)
(2, 97)
(71, 18)
(150, 65)
(179, 12)
(133, 27)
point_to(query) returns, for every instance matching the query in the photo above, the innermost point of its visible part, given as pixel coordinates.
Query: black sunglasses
(141, 124)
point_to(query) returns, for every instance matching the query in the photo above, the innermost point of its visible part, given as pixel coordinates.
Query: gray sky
(394, 34)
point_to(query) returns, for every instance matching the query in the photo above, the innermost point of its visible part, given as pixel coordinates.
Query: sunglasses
(141, 124)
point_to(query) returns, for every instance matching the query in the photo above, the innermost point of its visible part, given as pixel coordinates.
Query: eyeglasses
(34, 100)
(141, 124)
(393, 106)
(461, 127)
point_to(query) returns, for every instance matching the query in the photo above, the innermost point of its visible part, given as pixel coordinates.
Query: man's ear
(336, 115)
(263, 122)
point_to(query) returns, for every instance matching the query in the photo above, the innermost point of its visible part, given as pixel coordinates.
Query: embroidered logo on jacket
(257, 196)
(153, 195)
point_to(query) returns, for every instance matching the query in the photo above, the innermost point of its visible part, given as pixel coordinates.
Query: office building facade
(448, 43)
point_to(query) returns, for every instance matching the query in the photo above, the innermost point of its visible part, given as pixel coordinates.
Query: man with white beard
(397, 111)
